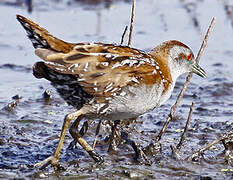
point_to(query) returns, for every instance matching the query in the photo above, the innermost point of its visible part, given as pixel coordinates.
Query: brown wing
(41, 38)
(103, 69)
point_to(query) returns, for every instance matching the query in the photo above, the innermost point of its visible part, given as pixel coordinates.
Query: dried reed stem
(179, 98)
(195, 156)
(123, 35)
(183, 136)
(132, 23)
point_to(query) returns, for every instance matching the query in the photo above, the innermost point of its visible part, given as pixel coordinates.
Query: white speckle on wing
(54, 64)
(123, 93)
(96, 89)
(140, 63)
(60, 69)
(108, 98)
(99, 106)
(80, 75)
(105, 63)
(117, 64)
(27, 25)
(108, 55)
(104, 110)
(114, 56)
(109, 85)
(154, 72)
(157, 67)
(73, 66)
(114, 89)
(44, 42)
(130, 62)
(92, 101)
(108, 89)
(134, 79)
(34, 41)
(86, 67)
(36, 36)
(81, 79)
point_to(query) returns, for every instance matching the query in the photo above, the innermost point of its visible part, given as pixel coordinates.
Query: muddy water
(29, 132)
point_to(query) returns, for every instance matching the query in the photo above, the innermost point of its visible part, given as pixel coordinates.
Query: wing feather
(101, 69)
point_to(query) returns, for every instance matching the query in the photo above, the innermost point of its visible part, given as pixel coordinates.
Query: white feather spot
(108, 89)
(116, 65)
(108, 98)
(86, 67)
(108, 55)
(130, 62)
(154, 72)
(123, 93)
(104, 110)
(108, 86)
(105, 63)
(99, 106)
(59, 69)
(114, 89)
(54, 64)
(134, 79)
(73, 66)
(81, 79)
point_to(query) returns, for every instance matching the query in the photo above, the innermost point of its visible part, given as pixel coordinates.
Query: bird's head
(178, 57)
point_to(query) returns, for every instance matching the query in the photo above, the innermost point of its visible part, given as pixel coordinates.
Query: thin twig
(179, 98)
(123, 35)
(204, 42)
(183, 136)
(132, 23)
(196, 155)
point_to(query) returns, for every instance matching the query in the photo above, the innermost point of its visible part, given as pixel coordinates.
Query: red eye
(189, 57)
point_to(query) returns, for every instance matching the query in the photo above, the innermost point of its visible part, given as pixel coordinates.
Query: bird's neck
(169, 68)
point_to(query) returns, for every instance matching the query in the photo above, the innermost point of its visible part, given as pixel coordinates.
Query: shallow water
(29, 133)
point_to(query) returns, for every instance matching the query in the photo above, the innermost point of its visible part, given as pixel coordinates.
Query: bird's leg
(96, 134)
(139, 153)
(82, 132)
(54, 159)
(115, 137)
(75, 134)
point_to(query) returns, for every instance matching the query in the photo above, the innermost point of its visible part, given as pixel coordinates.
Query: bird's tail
(41, 38)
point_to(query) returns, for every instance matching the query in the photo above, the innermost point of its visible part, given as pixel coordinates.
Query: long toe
(98, 158)
(51, 160)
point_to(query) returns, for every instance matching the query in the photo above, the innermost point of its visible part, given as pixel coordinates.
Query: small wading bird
(106, 81)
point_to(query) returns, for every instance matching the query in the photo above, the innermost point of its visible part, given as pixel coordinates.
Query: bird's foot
(140, 155)
(51, 160)
(97, 158)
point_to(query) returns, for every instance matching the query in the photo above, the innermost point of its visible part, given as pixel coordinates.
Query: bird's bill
(198, 70)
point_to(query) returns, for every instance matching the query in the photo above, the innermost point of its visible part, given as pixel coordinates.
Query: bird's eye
(189, 57)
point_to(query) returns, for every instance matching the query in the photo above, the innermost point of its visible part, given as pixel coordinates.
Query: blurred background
(29, 131)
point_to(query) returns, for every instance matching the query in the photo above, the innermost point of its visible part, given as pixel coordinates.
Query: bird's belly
(134, 101)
